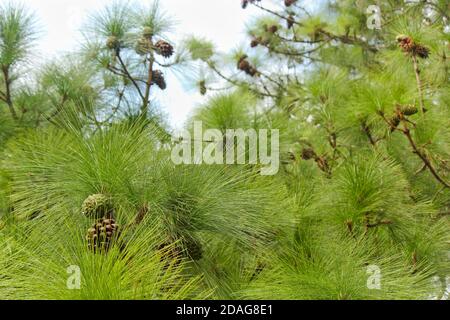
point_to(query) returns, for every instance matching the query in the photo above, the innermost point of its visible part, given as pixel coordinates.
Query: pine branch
(119, 73)
(237, 83)
(144, 108)
(58, 110)
(7, 94)
(129, 76)
(423, 157)
(344, 38)
(368, 132)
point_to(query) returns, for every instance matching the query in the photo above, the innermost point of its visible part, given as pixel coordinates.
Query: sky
(222, 21)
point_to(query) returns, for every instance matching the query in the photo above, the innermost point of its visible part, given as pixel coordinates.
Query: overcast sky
(222, 21)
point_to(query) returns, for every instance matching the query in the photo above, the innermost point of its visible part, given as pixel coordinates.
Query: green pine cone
(97, 206)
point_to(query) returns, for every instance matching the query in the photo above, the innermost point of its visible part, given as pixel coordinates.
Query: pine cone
(273, 29)
(245, 66)
(308, 154)
(101, 235)
(158, 79)
(203, 89)
(147, 32)
(409, 110)
(164, 48)
(408, 46)
(289, 3)
(96, 206)
(255, 42)
(142, 47)
(421, 51)
(112, 43)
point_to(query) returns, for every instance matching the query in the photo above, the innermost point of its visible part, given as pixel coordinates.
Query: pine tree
(87, 182)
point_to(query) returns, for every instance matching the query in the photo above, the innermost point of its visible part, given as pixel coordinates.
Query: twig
(423, 157)
(128, 74)
(419, 84)
(145, 102)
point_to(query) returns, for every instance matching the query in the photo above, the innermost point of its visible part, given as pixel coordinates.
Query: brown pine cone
(255, 42)
(273, 29)
(289, 3)
(203, 89)
(158, 79)
(308, 154)
(408, 46)
(102, 234)
(164, 48)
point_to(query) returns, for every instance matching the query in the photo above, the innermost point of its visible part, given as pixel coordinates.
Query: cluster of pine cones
(245, 66)
(400, 113)
(161, 47)
(101, 236)
(412, 48)
(144, 45)
(264, 40)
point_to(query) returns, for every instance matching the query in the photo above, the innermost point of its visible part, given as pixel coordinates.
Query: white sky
(222, 21)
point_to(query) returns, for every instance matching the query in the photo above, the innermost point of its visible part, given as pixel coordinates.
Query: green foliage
(39, 258)
(17, 34)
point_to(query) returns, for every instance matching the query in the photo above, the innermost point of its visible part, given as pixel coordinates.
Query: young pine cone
(164, 48)
(409, 110)
(142, 47)
(96, 206)
(102, 234)
(147, 32)
(112, 43)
